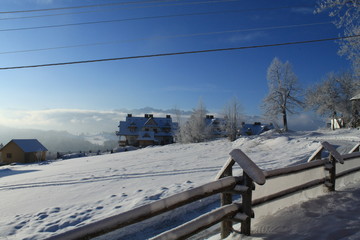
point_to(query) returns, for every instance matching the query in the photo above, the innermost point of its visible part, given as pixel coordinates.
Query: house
(255, 128)
(146, 131)
(23, 151)
(216, 125)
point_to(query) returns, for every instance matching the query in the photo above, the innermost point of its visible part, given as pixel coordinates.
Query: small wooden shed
(23, 151)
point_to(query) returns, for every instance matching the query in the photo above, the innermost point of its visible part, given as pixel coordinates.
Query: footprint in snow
(42, 215)
(55, 210)
(153, 197)
(20, 225)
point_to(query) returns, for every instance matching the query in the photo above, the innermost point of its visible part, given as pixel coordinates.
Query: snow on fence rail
(275, 189)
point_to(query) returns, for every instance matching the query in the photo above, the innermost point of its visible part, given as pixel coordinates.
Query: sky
(47, 97)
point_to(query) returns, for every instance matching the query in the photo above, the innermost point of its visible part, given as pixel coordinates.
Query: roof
(140, 123)
(29, 145)
(255, 129)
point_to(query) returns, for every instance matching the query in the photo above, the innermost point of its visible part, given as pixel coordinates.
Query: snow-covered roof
(254, 129)
(133, 125)
(356, 97)
(29, 145)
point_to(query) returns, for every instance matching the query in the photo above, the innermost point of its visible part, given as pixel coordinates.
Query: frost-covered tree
(195, 129)
(232, 112)
(347, 16)
(284, 92)
(333, 94)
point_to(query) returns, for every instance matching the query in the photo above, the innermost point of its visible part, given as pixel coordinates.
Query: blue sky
(162, 82)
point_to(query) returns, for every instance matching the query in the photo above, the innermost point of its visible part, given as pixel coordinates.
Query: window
(9, 155)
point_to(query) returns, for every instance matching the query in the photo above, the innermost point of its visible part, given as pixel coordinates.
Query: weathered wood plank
(333, 152)
(288, 191)
(350, 155)
(147, 211)
(226, 197)
(203, 222)
(251, 169)
(247, 205)
(225, 169)
(356, 148)
(294, 169)
(316, 154)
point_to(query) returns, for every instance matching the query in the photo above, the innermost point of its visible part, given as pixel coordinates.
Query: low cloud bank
(77, 121)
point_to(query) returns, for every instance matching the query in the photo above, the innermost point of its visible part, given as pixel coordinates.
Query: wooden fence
(271, 186)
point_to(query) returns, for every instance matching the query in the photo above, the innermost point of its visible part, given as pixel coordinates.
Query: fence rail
(271, 186)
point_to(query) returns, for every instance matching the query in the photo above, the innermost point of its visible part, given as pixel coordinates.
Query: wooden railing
(280, 183)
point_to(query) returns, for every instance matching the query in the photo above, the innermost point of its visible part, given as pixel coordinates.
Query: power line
(177, 53)
(159, 5)
(122, 20)
(85, 6)
(169, 37)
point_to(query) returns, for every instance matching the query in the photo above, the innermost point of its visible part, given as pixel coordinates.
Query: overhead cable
(176, 53)
(158, 5)
(168, 37)
(119, 20)
(86, 6)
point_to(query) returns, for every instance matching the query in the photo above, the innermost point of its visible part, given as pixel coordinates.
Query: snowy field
(40, 200)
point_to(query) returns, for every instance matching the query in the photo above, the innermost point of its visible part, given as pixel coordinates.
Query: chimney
(168, 116)
(151, 115)
(129, 115)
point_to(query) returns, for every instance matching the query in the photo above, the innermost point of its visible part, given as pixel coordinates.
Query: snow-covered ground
(40, 200)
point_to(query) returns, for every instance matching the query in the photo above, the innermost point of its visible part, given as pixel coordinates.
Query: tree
(195, 129)
(333, 95)
(232, 118)
(347, 16)
(284, 93)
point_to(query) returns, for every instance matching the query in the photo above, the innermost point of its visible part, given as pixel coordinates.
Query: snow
(40, 200)
(335, 215)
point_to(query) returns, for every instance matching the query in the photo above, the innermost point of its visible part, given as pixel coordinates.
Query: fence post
(331, 167)
(226, 198)
(247, 205)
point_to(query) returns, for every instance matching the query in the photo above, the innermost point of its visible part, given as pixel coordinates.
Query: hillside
(39, 200)
(61, 141)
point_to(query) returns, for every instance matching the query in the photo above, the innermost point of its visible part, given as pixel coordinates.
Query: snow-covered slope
(40, 200)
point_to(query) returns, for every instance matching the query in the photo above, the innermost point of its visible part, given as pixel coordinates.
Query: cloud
(206, 88)
(42, 2)
(75, 121)
(303, 10)
(305, 122)
(247, 37)
(72, 120)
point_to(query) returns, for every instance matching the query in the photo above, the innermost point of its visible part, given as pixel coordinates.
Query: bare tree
(232, 113)
(347, 15)
(195, 129)
(333, 95)
(284, 93)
